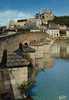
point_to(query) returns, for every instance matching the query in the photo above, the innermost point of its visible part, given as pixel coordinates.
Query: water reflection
(53, 82)
(60, 50)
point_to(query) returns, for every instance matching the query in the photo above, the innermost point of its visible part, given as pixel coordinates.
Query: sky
(16, 9)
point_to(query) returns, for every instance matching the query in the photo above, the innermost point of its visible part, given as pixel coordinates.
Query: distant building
(38, 23)
(21, 22)
(45, 15)
(62, 27)
(3, 29)
(26, 24)
(11, 24)
(56, 32)
(53, 25)
(53, 32)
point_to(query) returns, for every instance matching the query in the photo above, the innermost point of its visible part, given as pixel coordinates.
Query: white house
(21, 22)
(36, 22)
(53, 32)
(62, 27)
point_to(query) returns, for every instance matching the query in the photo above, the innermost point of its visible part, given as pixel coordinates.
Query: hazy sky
(12, 9)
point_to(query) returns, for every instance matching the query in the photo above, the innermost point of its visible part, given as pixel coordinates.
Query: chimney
(20, 46)
(4, 58)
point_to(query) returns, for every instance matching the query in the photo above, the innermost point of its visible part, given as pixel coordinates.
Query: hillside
(62, 20)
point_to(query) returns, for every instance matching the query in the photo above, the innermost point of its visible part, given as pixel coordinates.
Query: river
(52, 83)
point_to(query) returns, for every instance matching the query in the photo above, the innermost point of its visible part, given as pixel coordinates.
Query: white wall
(53, 32)
(38, 23)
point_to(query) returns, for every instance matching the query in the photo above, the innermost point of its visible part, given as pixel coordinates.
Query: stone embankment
(11, 43)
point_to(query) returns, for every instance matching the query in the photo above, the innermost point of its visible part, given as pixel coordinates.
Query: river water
(52, 83)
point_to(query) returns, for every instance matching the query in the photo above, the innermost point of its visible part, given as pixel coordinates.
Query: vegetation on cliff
(62, 20)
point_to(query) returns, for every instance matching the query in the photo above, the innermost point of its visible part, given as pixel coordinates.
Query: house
(11, 25)
(35, 22)
(53, 32)
(21, 22)
(3, 29)
(14, 69)
(62, 27)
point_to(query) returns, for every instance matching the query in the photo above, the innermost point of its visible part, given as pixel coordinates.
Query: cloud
(7, 15)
